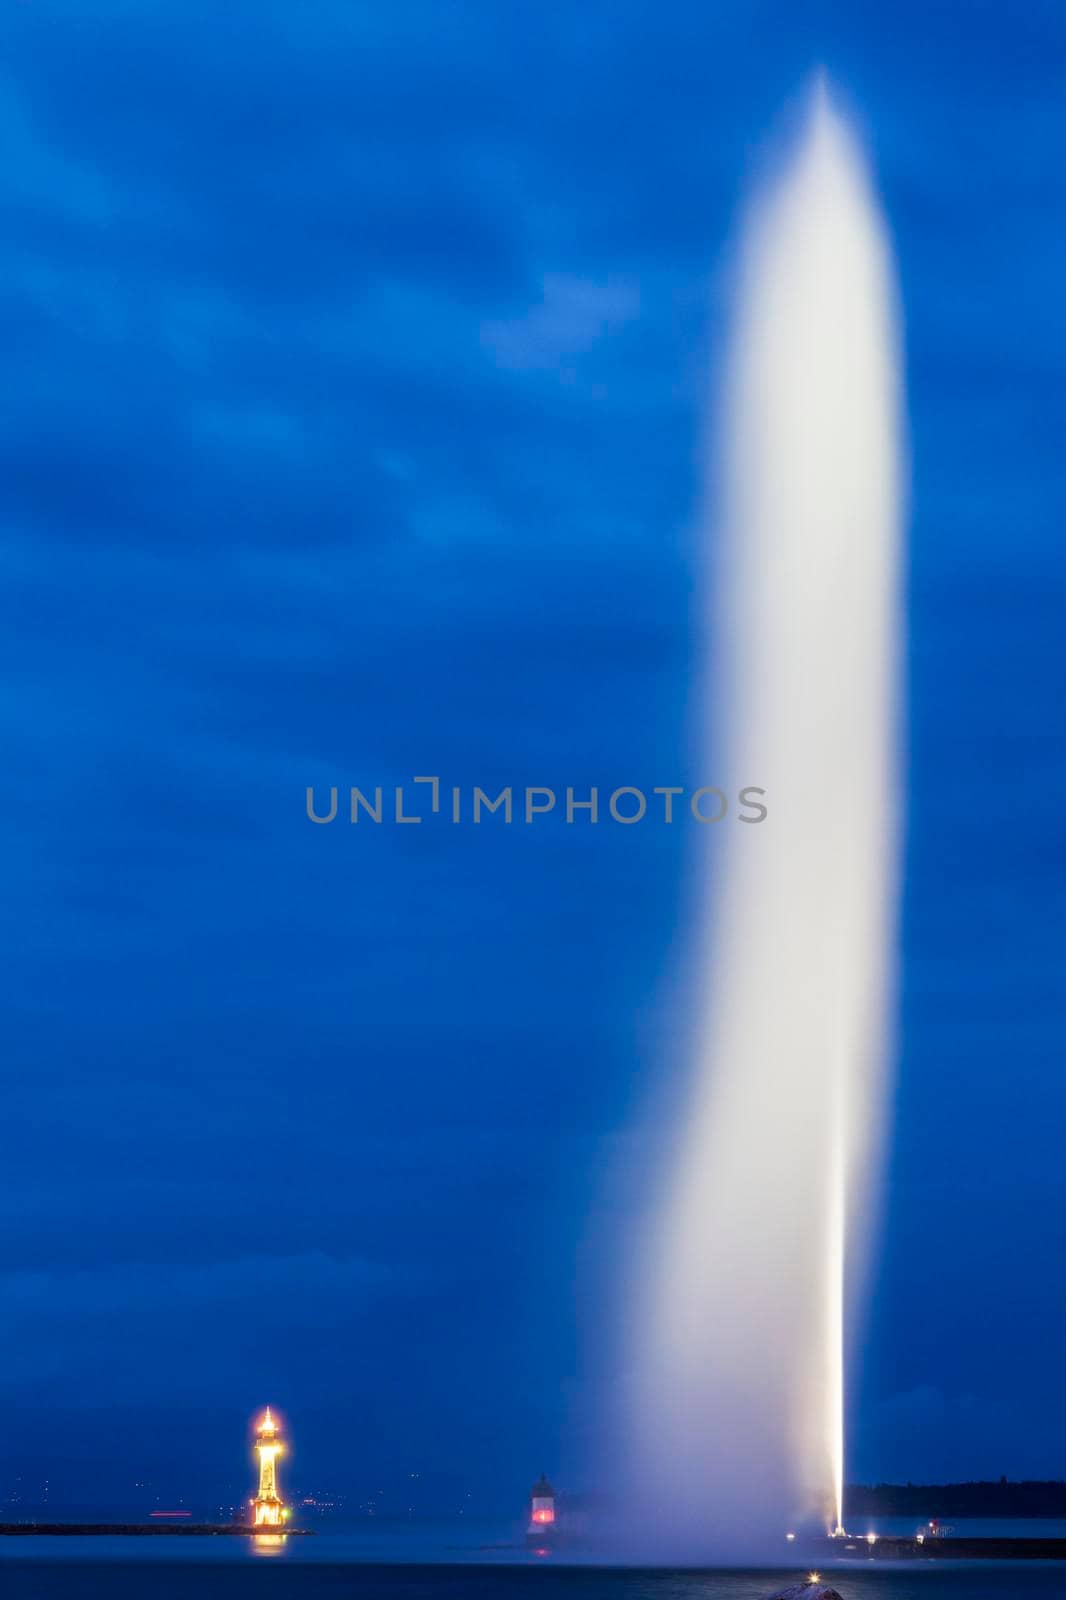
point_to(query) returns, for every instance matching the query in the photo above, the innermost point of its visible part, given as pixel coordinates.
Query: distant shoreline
(151, 1529)
(981, 1499)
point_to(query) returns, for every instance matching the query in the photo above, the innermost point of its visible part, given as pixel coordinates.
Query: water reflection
(269, 1544)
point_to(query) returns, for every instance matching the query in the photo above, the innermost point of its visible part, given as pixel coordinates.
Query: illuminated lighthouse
(541, 1508)
(269, 1512)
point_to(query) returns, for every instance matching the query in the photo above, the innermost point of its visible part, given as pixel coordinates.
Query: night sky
(358, 363)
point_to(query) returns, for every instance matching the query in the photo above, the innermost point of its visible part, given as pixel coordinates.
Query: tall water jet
(740, 1394)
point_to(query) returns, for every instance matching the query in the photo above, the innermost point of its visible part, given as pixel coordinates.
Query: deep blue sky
(356, 360)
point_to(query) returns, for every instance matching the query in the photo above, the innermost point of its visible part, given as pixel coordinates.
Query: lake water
(106, 1579)
(429, 1565)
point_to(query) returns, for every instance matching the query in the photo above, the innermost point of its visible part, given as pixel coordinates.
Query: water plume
(739, 1405)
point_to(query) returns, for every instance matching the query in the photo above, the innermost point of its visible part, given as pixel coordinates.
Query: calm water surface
(336, 1564)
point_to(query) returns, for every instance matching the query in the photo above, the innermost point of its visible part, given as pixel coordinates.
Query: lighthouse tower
(541, 1508)
(268, 1509)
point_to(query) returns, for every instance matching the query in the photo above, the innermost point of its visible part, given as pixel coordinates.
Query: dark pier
(943, 1547)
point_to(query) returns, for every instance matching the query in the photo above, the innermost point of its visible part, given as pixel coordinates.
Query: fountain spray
(741, 1350)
